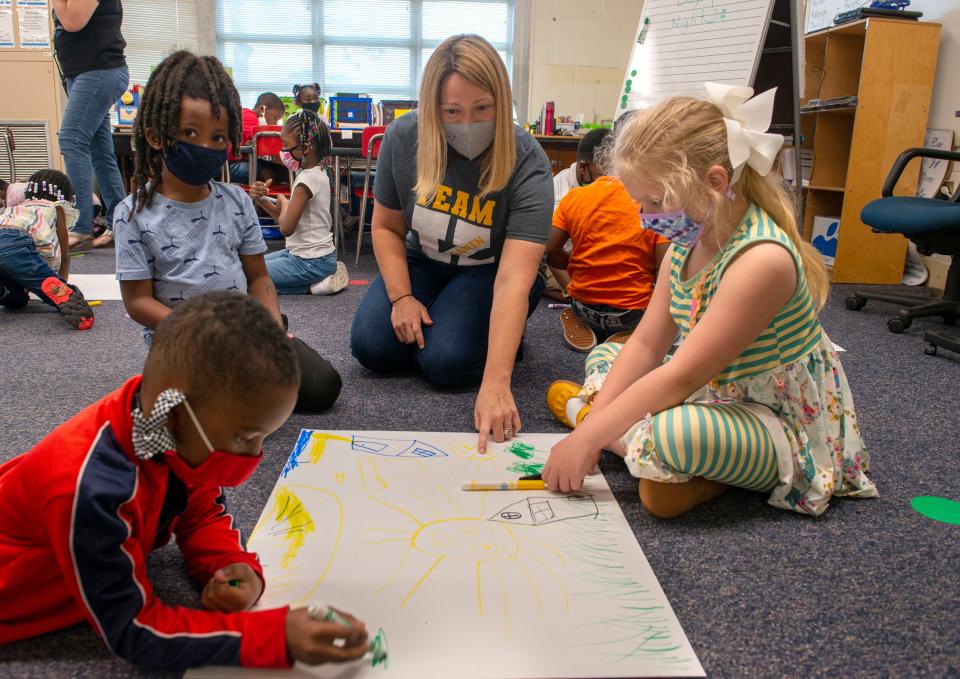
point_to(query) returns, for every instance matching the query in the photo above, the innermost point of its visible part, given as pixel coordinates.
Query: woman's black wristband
(394, 301)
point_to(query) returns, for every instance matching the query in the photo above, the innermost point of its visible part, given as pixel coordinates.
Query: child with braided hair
(309, 262)
(35, 249)
(181, 233)
(307, 97)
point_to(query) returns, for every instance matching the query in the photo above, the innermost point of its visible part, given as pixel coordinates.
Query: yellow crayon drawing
(370, 475)
(286, 526)
(340, 477)
(470, 453)
(471, 548)
(318, 444)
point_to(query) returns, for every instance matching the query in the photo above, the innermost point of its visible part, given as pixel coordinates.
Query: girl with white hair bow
(755, 395)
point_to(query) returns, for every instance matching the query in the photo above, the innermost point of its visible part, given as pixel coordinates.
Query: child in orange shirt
(613, 264)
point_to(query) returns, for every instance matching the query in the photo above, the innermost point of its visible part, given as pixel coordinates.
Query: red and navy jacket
(78, 515)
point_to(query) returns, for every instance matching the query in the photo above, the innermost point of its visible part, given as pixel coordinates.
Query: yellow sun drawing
(505, 562)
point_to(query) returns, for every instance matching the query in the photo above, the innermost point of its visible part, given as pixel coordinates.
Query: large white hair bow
(747, 121)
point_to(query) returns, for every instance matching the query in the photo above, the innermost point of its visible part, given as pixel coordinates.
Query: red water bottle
(548, 119)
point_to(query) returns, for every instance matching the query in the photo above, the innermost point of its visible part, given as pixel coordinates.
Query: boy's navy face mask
(192, 164)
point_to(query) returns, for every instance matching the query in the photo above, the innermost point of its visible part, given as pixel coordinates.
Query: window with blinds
(154, 30)
(377, 48)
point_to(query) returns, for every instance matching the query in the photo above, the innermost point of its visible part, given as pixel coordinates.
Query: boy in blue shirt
(182, 234)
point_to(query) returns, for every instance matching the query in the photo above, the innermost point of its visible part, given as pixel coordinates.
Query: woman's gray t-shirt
(458, 227)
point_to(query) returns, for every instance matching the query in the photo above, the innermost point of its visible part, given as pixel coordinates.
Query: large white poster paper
(463, 584)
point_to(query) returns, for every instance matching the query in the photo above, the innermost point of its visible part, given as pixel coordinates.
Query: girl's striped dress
(791, 368)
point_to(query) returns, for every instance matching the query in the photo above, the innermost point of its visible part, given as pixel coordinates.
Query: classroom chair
(9, 146)
(266, 141)
(369, 149)
(934, 225)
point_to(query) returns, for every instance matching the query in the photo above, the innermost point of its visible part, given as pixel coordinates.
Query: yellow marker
(504, 485)
(95, 302)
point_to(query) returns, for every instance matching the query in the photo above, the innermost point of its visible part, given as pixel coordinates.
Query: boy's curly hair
(222, 341)
(182, 74)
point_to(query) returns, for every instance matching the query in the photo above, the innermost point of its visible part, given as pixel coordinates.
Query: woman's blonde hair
(476, 60)
(674, 143)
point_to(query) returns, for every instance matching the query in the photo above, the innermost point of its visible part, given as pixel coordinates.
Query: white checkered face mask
(150, 434)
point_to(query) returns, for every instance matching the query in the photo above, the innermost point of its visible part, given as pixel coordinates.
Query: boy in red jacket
(80, 512)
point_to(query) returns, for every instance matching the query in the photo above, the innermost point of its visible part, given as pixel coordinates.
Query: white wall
(946, 97)
(580, 50)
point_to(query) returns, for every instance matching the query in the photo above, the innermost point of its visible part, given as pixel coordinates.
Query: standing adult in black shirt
(90, 50)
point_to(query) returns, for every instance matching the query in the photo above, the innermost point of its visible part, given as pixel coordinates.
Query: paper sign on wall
(34, 18)
(7, 38)
(933, 170)
(820, 13)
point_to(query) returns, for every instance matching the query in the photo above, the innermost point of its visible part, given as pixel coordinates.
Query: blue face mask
(192, 164)
(675, 226)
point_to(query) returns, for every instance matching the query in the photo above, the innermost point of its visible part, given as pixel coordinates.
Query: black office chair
(934, 225)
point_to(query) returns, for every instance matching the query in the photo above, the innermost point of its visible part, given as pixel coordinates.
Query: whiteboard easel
(682, 44)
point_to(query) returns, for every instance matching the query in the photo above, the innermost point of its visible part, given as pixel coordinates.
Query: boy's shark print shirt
(188, 249)
(459, 227)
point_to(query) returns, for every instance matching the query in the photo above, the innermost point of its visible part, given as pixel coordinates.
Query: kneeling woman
(461, 216)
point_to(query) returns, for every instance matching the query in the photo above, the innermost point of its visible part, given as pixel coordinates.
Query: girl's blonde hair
(674, 144)
(476, 60)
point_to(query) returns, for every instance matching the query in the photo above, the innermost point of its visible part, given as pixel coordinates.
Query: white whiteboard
(820, 13)
(682, 44)
(462, 584)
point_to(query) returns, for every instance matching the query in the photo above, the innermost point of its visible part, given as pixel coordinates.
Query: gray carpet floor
(869, 589)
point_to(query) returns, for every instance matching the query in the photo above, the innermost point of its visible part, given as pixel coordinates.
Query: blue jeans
(294, 275)
(87, 142)
(606, 320)
(459, 300)
(22, 269)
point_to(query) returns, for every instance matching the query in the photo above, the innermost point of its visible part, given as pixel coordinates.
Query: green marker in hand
(378, 647)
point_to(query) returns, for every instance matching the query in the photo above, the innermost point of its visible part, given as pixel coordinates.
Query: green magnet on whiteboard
(623, 99)
(643, 31)
(937, 508)
(629, 83)
(633, 74)
(627, 88)
(623, 104)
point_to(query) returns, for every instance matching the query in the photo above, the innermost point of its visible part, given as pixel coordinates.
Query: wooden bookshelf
(889, 64)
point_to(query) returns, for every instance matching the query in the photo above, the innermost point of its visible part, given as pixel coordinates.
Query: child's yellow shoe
(558, 394)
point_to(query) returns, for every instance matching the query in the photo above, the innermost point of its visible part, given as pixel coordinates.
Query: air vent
(32, 148)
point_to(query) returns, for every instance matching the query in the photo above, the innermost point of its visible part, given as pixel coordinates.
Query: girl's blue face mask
(675, 226)
(192, 164)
